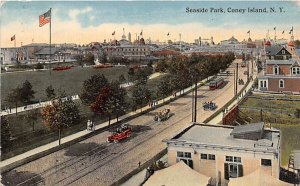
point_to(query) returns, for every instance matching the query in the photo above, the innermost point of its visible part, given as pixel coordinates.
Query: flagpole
(50, 39)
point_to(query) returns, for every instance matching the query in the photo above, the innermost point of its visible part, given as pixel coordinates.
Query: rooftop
(219, 136)
(243, 129)
(281, 62)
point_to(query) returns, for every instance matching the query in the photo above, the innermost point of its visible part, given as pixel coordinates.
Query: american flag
(45, 18)
(13, 38)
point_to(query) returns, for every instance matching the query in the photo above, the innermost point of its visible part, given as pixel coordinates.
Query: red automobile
(121, 133)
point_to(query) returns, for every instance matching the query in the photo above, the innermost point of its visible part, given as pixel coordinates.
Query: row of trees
(103, 97)
(184, 71)
(109, 99)
(21, 94)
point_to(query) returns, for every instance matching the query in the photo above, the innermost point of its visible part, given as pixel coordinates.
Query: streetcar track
(47, 171)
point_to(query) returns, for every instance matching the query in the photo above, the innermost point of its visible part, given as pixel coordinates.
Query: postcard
(150, 93)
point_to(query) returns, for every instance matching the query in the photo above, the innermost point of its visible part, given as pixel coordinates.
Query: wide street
(96, 162)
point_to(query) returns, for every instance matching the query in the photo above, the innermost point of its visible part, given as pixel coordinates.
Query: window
(263, 84)
(266, 162)
(232, 170)
(185, 157)
(229, 158)
(233, 159)
(184, 154)
(204, 156)
(281, 83)
(211, 157)
(208, 157)
(189, 162)
(276, 69)
(237, 159)
(283, 52)
(296, 70)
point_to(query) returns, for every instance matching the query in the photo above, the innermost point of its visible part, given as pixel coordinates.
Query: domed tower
(142, 41)
(291, 47)
(267, 43)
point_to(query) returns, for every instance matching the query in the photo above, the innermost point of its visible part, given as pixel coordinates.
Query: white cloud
(73, 13)
(70, 31)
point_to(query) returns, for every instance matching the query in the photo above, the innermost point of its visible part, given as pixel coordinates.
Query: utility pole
(195, 103)
(236, 77)
(234, 82)
(248, 68)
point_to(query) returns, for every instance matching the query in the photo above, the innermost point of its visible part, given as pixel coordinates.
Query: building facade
(13, 55)
(223, 152)
(280, 76)
(127, 51)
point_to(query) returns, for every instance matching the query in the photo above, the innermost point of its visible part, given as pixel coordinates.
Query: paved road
(95, 162)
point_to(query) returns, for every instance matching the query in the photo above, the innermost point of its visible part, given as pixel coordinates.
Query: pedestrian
(139, 163)
(9, 110)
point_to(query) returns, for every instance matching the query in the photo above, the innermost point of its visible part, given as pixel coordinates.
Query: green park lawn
(24, 138)
(69, 80)
(280, 114)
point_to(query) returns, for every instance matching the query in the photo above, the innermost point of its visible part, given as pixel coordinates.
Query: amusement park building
(223, 152)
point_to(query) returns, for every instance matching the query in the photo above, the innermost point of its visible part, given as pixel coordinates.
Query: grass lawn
(70, 80)
(280, 114)
(24, 138)
(290, 140)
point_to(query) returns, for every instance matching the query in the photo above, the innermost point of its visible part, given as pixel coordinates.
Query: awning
(257, 178)
(177, 175)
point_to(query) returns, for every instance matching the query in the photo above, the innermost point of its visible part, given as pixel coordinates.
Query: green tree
(39, 66)
(50, 93)
(15, 96)
(131, 74)
(140, 95)
(61, 114)
(32, 116)
(141, 76)
(165, 87)
(89, 59)
(110, 101)
(5, 133)
(297, 113)
(122, 78)
(103, 58)
(161, 66)
(26, 92)
(92, 87)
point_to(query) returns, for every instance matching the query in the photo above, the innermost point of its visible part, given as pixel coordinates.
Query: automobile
(121, 133)
(162, 115)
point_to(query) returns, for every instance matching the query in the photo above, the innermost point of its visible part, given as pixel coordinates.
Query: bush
(39, 66)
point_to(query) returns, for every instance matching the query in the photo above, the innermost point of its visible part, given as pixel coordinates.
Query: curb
(51, 150)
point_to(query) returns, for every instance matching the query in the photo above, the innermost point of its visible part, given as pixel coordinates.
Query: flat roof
(219, 136)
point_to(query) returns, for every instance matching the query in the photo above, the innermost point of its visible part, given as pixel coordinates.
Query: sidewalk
(9, 111)
(14, 161)
(138, 179)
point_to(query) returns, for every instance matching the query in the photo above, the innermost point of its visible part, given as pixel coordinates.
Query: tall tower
(129, 37)
(123, 36)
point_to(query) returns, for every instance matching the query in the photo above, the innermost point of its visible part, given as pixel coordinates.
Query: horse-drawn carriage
(209, 106)
(162, 115)
(121, 133)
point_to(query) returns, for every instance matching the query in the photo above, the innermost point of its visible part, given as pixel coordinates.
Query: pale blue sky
(144, 14)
